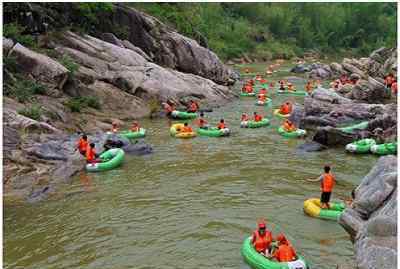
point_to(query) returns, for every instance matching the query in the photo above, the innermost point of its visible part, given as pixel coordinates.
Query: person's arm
(315, 180)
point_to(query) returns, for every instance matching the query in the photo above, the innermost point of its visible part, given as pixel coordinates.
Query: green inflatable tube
(258, 261)
(361, 146)
(111, 159)
(245, 94)
(213, 132)
(183, 115)
(384, 149)
(254, 124)
(360, 126)
(297, 133)
(297, 93)
(133, 135)
(266, 103)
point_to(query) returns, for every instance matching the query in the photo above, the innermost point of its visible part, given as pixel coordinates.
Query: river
(190, 204)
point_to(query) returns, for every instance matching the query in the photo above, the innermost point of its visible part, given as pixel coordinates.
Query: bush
(23, 90)
(76, 104)
(34, 112)
(69, 64)
(14, 31)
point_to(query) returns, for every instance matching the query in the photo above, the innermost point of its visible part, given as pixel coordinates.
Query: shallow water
(188, 205)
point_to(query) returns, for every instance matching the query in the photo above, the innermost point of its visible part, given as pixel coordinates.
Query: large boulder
(371, 220)
(300, 68)
(40, 66)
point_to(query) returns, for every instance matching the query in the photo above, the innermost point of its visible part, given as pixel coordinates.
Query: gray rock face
(40, 66)
(300, 68)
(372, 219)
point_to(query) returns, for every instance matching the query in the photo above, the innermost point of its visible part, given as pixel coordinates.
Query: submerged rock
(371, 221)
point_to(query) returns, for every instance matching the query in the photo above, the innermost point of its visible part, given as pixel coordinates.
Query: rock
(337, 69)
(371, 91)
(310, 147)
(352, 69)
(319, 73)
(170, 48)
(12, 140)
(8, 44)
(372, 219)
(14, 120)
(111, 38)
(300, 68)
(130, 46)
(39, 66)
(330, 136)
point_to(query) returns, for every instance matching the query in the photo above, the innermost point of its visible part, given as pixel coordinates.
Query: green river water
(190, 204)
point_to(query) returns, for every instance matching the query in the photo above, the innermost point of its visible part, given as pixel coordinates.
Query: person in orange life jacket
(192, 107)
(394, 87)
(285, 108)
(328, 181)
(201, 122)
(263, 91)
(249, 88)
(186, 128)
(221, 125)
(309, 87)
(114, 127)
(169, 106)
(343, 79)
(245, 117)
(262, 97)
(285, 252)
(288, 126)
(91, 155)
(257, 117)
(82, 145)
(291, 87)
(282, 85)
(135, 127)
(263, 81)
(389, 80)
(262, 239)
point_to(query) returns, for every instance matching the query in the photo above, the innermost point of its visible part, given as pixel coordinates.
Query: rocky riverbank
(372, 219)
(127, 78)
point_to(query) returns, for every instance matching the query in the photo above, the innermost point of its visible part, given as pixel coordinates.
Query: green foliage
(76, 104)
(34, 112)
(289, 28)
(90, 13)
(14, 31)
(23, 90)
(69, 64)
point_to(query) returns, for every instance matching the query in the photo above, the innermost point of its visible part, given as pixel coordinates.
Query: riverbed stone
(372, 219)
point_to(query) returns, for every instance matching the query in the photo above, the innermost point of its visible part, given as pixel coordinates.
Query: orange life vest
(328, 182)
(262, 97)
(394, 87)
(245, 118)
(221, 125)
(90, 154)
(135, 128)
(261, 243)
(284, 109)
(202, 122)
(257, 118)
(285, 253)
(263, 91)
(82, 145)
(187, 129)
(193, 107)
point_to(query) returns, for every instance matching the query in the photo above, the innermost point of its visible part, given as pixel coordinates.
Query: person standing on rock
(328, 181)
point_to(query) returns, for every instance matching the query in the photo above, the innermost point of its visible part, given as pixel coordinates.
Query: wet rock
(311, 146)
(134, 147)
(320, 72)
(300, 68)
(111, 38)
(371, 221)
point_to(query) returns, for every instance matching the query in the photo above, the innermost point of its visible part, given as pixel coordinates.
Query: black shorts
(325, 197)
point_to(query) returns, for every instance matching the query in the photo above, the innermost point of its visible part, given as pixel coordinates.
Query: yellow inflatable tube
(312, 207)
(175, 131)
